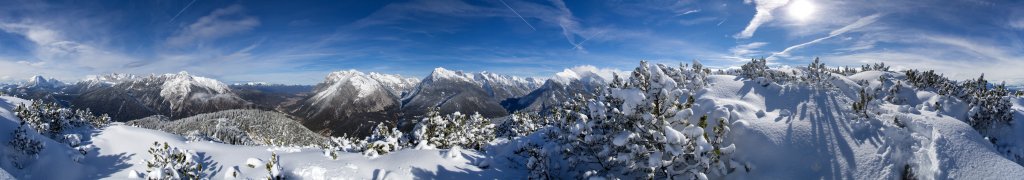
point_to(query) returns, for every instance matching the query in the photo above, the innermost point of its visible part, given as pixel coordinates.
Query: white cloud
(35, 33)
(1017, 23)
(585, 71)
(53, 52)
(864, 21)
(219, 23)
(764, 15)
(744, 50)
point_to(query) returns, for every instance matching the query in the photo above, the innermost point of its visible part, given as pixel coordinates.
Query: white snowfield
(779, 132)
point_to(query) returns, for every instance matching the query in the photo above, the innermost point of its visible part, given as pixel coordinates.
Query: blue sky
(300, 42)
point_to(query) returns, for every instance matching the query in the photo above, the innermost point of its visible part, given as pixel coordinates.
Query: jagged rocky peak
(110, 79)
(495, 78)
(580, 73)
(441, 73)
(38, 81)
(181, 85)
(363, 85)
(396, 83)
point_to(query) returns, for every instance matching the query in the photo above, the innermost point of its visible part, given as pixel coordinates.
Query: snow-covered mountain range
(127, 97)
(754, 123)
(351, 102)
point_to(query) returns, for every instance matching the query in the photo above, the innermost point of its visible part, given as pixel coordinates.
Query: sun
(801, 10)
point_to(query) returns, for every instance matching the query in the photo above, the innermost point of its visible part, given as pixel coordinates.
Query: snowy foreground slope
(790, 131)
(803, 134)
(120, 149)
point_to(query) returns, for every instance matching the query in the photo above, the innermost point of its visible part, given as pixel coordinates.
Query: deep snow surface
(780, 132)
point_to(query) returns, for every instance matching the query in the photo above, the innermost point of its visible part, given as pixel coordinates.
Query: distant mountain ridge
(127, 97)
(346, 102)
(352, 102)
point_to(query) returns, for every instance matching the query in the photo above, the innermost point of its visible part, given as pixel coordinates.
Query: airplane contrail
(577, 46)
(182, 10)
(517, 14)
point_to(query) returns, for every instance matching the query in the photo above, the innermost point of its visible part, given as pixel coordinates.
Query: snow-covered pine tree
(893, 91)
(989, 107)
(426, 130)
(616, 81)
(518, 124)
(480, 132)
(538, 162)
(172, 163)
(818, 74)
(455, 129)
(383, 140)
(861, 105)
(23, 148)
(754, 69)
(274, 169)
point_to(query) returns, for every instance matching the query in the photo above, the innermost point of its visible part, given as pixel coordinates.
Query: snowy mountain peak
(396, 83)
(110, 79)
(442, 73)
(41, 82)
(583, 73)
(364, 86)
(178, 86)
(37, 79)
(506, 79)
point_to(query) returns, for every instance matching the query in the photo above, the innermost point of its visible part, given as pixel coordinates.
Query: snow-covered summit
(504, 86)
(495, 78)
(364, 86)
(440, 73)
(38, 81)
(179, 86)
(108, 79)
(349, 101)
(396, 83)
(584, 74)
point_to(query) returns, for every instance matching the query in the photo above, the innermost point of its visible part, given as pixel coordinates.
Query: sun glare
(801, 10)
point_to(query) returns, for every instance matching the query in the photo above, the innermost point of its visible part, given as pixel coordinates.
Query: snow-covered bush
(988, 107)
(232, 173)
(22, 148)
(383, 140)
(518, 124)
(54, 121)
(537, 163)
(479, 132)
(61, 124)
(637, 130)
(455, 129)
(274, 169)
(172, 163)
(818, 75)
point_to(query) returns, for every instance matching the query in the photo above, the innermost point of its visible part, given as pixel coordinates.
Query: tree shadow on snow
(827, 132)
(493, 171)
(212, 168)
(107, 165)
(457, 173)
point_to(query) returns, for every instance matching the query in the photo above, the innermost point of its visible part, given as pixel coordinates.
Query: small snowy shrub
(172, 163)
(537, 163)
(23, 148)
(345, 144)
(456, 129)
(518, 124)
(232, 173)
(254, 162)
(382, 141)
(274, 170)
